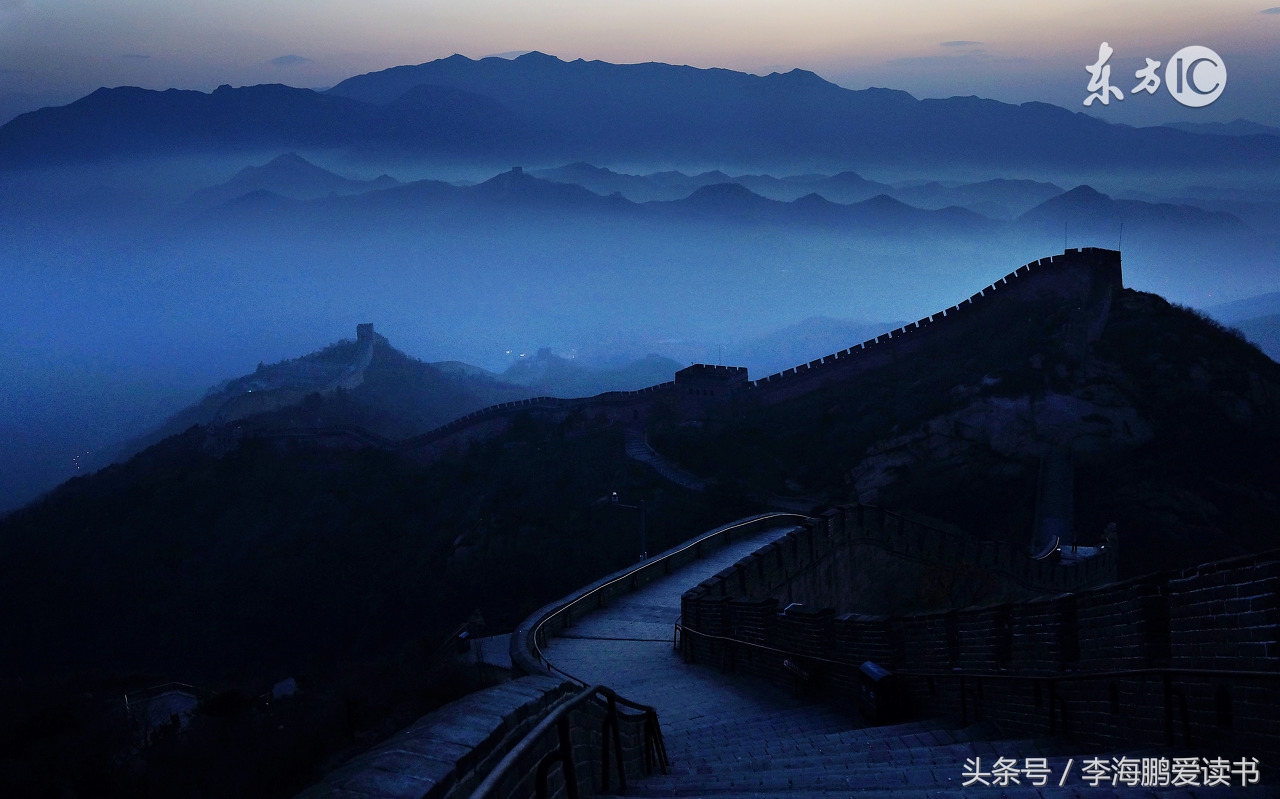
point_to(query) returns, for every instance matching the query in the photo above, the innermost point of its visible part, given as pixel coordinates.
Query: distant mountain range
(1258, 318)
(552, 375)
(1248, 308)
(998, 199)
(369, 383)
(1083, 210)
(537, 106)
(1263, 331)
(845, 187)
(289, 175)
(373, 385)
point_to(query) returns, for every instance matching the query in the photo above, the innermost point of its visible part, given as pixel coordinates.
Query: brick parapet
(1220, 616)
(766, 571)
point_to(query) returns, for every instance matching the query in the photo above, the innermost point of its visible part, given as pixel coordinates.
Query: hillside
(389, 394)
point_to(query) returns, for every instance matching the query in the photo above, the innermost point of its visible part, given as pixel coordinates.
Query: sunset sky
(1011, 50)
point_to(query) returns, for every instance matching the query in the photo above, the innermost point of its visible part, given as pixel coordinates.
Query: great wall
(750, 661)
(1084, 280)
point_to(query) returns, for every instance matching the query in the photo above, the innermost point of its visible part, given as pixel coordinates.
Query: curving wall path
(731, 733)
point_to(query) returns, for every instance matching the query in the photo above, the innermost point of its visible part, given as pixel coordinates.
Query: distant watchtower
(702, 385)
(364, 332)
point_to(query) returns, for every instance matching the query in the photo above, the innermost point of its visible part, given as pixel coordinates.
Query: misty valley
(305, 390)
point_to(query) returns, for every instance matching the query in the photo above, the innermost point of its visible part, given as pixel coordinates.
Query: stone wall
(1113, 664)
(450, 751)
(842, 559)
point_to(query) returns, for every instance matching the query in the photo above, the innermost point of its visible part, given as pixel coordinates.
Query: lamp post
(644, 546)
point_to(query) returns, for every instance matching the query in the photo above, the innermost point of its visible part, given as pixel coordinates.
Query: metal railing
(527, 655)
(655, 751)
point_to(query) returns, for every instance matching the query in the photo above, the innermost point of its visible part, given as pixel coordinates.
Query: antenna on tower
(1120, 243)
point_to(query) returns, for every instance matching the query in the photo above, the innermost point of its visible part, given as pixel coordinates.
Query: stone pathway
(638, 449)
(732, 735)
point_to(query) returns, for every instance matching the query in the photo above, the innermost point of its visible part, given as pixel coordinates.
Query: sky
(1010, 50)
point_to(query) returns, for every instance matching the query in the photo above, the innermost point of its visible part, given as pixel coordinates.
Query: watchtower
(702, 385)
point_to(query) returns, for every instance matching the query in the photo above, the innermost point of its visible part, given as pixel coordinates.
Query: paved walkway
(628, 646)
(736, 736)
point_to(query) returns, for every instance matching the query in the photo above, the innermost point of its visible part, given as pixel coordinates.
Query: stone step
(772, 729)
(800, 715)
(935, 780)
(833, 720)
(910, 738)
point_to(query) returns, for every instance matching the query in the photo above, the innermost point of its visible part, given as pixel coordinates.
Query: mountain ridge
(578, 110)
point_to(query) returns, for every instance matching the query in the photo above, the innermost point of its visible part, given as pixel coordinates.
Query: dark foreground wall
(1188, 657)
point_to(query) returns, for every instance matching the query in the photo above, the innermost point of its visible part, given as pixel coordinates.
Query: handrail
(655, 751)
(530, 637)
(527, 655)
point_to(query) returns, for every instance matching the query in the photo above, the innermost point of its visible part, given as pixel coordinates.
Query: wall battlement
(1090, 276)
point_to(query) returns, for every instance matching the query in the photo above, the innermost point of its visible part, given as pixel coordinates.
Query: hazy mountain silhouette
(384, 390)
(288, 175)
(804, 341)
(637, 188)
(538, 104)
(1263, 331)
(517, 191)
(652, 109)
(1086, 209)
(845, 187)
(1258, 318)
(1248, 308)
(998, 199)
(1237, 127)
(553, 375)
(130, 122)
